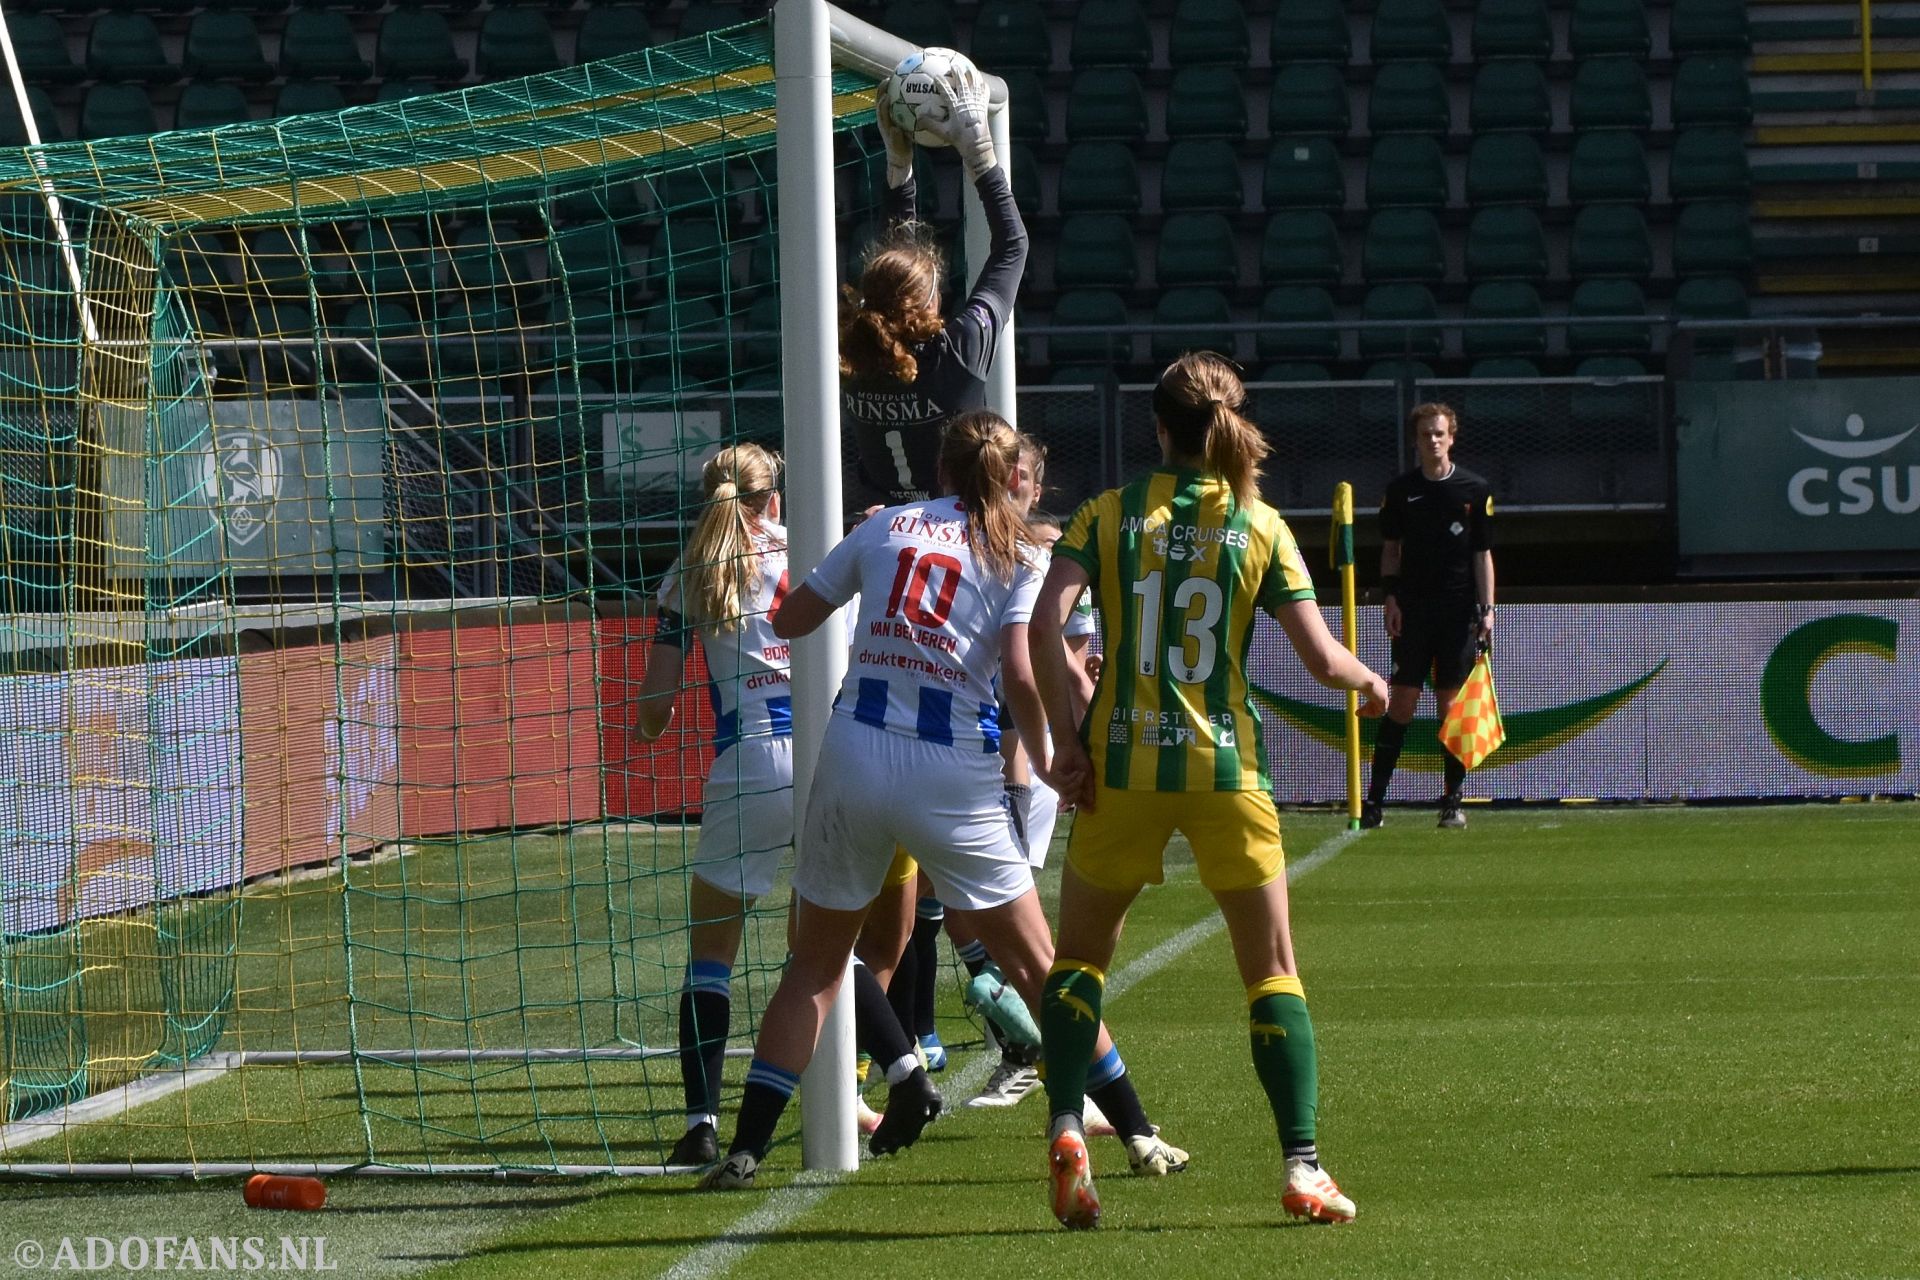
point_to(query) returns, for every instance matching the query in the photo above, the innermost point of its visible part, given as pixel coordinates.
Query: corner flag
(1472, 729)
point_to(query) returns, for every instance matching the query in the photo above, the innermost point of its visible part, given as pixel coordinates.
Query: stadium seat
(1513, 300)
(1096, 250)
(126, 47)
(1600, 27)
(273, 265)
(701, 17)
(40, 44)
(1408, 97)
(1712, 89)
(1713, 237)
(1295, 371)
(1409, 31)
(1710, 299)
(1301, 247)
(1197, 248)
(223, 44)
(1206, 102)
(1192, 306)
(1012, 35)
(921, 22)
(1106, 102)
(1298, 306)
(1400, 302)
(1506, 169)
(1512, 29)
(1407, 171)
(417, 44)
(200, 260)
(1610, 164)
(1601, 299)
(1304, 173)
(1506, 244)
(1203, 173)
(1510, 96)
(393, 331)
(1024, 174)
(1610, 240)
(1090, 307)
(1503, 368)
(590, 257)
(1708, 163)
(1309, 98)
(703, 256)
(13, 130)
(515, 41)
(1707, 26)
(392, 259)
(1398, 371)
(1604, 367)
(319, 44)
(205, 105)
(1310, 31)
(1206, 33)
(116, 111)
(1099, 177)
(1403, 244)
(1110, 33)
(1610, 93)
(607, 31)
(477, 261)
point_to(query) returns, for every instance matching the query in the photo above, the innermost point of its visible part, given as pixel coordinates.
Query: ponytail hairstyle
(721, 563)
(977, 456)
(1197, 401)
(896, 307)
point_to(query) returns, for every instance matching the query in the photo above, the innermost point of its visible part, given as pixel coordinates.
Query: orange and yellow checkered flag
(1472, 729)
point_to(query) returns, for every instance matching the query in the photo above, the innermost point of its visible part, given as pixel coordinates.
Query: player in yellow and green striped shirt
(1178, 562)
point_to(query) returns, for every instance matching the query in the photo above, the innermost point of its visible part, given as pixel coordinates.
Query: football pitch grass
(1566, 1041)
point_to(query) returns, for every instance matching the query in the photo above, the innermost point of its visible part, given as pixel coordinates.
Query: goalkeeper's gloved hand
(1019, 800)
(966, 93)
(898, 143)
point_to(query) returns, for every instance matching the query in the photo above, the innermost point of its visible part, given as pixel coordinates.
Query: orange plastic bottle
(282, 1191)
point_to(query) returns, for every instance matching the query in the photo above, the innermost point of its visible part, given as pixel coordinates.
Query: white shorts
(1043, 812)
(746, 821)
(945, 805)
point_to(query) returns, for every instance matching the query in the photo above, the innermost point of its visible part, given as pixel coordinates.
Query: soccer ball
(914, 101)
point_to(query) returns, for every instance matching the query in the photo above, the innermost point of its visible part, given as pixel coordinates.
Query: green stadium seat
(1206, 102)
(1601, 299)
(1110, 33)
(391, 259)
(1411, 303)
(699, 18)
(13, 130)
(200, 260)
(1192, 306)
(205, 105)
(1713, 237)
(1011, 35)
(273, 265)
(1512, 29)
(393, 331)
(607, 31)
(1106, 102)
(477, 261)
(40, 44)
(223, 44)
(1605, 367)
(1503, 368)
(516, 41)
(1032, 118)
(1099, 177)
(1711, 299)
(1610, 240)
(1712, 89)
(401, 89)
(126, 46)
(1513, 300)
(1197, 248)
(1410, 31)
(1403, 244)
(1707, 26)
(1510, 96)
(1609, 164)
(1600, 27)
(1506, 169)
(1399, 370)
(1295, 371)
(1208, 33)
(1610, 93)
(1091, 307)
(1506, 244)
(1308, 97)
(703, 256)
(921, 22)
(1096, 250)
(1407, 171)
(591, 258)
(1709, 163)
(696, 338)
(1310, 31)
(1025, 177)
(1301, 247)
(1298, 306)
(1408, 97)
(319, 44)
(1304, 173)
(116, 111)
(1203, 173)
(417, 44)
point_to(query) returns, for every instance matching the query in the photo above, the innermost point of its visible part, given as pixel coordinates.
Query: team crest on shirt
(1456, 528)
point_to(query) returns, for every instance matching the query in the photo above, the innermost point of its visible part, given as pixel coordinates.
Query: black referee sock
(1386, 754)
(1456, 774)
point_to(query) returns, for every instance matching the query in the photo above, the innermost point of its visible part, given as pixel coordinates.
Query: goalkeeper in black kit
(1436, 572)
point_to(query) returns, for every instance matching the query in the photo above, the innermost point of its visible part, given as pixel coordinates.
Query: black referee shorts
(1436, 642)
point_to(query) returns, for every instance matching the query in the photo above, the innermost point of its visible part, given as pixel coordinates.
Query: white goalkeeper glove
(966, 92)
(899, 145)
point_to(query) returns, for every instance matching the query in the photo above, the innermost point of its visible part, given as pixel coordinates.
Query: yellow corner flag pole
(1340, 552)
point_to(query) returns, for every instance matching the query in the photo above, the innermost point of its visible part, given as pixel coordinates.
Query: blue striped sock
(1106, 1070)
(710, 975)
(768, 1076)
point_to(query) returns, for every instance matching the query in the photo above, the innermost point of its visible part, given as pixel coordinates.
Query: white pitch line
(115, 1102)
(783, 1207)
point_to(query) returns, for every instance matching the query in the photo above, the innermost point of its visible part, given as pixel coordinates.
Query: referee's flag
(1472, 729)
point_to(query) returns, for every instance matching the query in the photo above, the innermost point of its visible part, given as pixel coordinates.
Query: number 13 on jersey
(1200, 600)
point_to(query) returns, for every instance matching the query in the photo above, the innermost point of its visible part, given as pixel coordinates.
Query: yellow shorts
(903, 870)
(1235, 837)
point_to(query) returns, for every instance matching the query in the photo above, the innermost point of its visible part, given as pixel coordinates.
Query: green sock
(1069, 1027)
(1283, 1056)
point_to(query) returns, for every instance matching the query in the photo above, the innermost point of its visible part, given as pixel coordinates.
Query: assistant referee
(1436, 571)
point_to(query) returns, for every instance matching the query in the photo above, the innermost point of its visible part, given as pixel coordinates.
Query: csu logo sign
(1860, 479)
(244, 476)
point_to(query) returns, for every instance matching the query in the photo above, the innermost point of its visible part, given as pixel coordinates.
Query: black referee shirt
(1439, 524)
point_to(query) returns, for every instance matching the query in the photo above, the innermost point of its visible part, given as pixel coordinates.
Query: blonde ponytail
(721, 563)
(978, 455)
(1198, 401)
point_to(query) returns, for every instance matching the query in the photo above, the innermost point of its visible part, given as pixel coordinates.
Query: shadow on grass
(1842, 1171)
